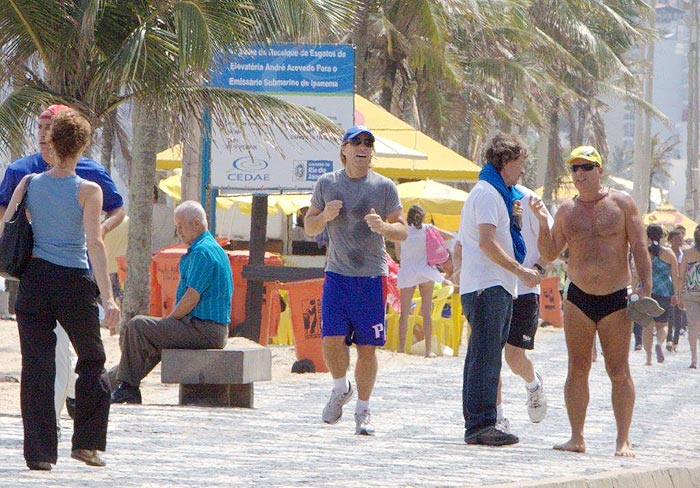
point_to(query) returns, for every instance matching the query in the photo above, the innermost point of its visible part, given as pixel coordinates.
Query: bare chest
(604, 220)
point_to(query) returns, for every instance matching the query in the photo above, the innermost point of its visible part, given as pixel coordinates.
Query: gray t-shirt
(354, 250)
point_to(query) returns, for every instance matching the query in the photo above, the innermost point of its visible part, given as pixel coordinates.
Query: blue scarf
(490, 174)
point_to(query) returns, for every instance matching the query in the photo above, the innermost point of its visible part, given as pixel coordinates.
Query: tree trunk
(642, 129)
(138, 254)
(506, 123)
(388, 81)
(600, 138)
(551, 177)
(108, 136)
(692, 205)
(191, 178)
(359, 39)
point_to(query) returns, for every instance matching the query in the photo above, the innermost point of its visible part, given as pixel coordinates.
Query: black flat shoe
(125, 393)
(491, 436)
(39, 465)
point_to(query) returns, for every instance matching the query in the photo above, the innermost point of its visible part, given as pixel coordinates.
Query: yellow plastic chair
(391, 322)
(440, 324)
(456, 325)
(392, 329)
(285, 334)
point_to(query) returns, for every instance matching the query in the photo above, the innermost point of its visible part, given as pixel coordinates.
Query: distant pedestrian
(360, 209)
(665, 290)
(415, 271)
(678, 319)
(690, 298)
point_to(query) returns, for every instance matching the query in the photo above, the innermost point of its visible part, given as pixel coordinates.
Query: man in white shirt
(523, 324)
(493, 251)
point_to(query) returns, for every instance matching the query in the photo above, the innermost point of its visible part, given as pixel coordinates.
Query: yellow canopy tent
(441, 163)
(171, 158)
(667, 216)
(287, 203)
(442, 203)
(401, 152)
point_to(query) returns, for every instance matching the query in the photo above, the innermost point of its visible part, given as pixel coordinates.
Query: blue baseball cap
(355, 131)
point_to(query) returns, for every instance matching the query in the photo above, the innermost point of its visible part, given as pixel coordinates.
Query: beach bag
(16, 242)
(435, 246)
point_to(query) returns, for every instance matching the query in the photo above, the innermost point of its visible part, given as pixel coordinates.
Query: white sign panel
(320, 77)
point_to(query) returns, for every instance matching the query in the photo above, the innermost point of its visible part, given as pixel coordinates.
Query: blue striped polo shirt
(206, 268)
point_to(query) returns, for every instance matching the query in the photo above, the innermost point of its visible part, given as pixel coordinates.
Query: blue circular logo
(250, 165)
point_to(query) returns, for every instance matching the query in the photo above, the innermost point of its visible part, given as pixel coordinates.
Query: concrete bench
(218, 377)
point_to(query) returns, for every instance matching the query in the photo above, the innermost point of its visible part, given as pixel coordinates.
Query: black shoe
(491, 436)
(70, 407)
(39, 465)
(125, 393)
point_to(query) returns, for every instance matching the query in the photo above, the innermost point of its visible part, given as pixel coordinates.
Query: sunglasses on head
(585, 167)
(356, 141)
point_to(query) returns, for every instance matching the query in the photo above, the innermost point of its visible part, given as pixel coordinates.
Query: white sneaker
(537, 402)
(503, 425)
(334, 408)
(362, 423)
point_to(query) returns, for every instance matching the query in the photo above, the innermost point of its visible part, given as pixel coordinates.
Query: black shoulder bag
(16, 241)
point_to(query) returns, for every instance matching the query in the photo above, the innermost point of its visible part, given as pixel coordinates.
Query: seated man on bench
(200, 317)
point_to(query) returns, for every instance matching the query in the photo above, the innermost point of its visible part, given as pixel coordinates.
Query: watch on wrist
(539, 269)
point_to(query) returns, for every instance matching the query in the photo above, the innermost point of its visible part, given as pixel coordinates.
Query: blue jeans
(488, 312)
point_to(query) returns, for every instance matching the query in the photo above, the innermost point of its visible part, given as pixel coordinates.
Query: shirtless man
(600, 225)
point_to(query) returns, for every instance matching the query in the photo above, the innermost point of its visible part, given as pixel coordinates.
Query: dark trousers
(50, 293)
(488, 312)
(678, 321)
(637, 330)
(12, 288)
(144, 338)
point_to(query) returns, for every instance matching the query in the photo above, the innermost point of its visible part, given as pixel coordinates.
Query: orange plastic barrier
(550, 302)
(121, 270)
(305, 307)
(271, 310)
(155, 307)
(165, 269)
(238, 260)
(165, 277)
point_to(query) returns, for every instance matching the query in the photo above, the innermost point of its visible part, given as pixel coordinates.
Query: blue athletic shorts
(353, 307)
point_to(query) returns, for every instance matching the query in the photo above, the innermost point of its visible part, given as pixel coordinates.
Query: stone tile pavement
(417, 414)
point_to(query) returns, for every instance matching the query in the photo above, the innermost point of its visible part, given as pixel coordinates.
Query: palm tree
(662, 150)
(97, 56)
(404, 61)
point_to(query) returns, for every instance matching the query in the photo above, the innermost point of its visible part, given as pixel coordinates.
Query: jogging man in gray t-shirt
(359, 208)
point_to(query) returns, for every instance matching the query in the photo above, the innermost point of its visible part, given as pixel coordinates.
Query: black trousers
(678, 321)
(50, 293)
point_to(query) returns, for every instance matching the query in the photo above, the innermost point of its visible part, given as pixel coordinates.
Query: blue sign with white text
(288, 68)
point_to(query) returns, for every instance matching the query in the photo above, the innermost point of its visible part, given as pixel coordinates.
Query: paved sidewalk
(419, 442)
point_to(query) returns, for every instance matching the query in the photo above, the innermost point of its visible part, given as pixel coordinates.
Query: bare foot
(648, 363)
(624, 450)
(571, 446)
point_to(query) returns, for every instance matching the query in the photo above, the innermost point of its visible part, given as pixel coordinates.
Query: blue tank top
(57, 220)
(661, 277)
